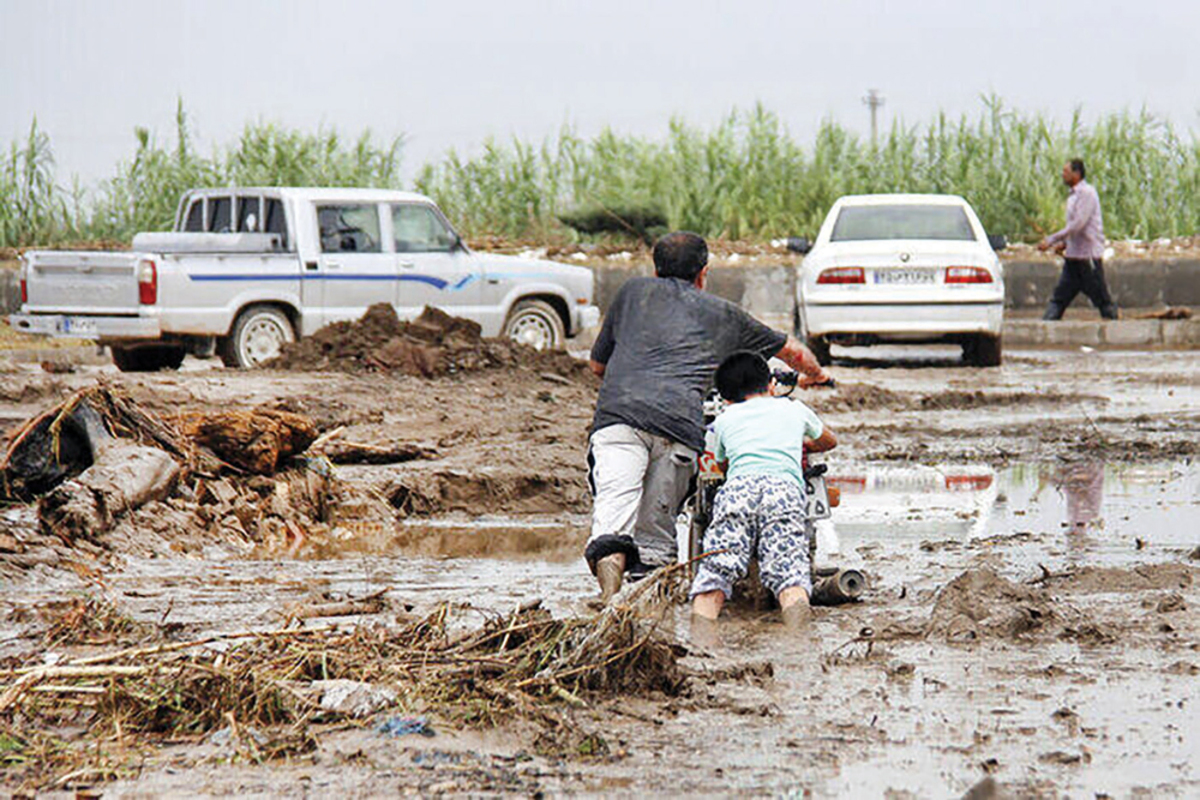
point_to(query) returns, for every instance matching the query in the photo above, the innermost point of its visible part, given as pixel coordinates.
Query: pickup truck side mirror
(799, 244)
(997, 241)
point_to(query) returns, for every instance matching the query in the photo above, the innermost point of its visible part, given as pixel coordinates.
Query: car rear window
(872, 223)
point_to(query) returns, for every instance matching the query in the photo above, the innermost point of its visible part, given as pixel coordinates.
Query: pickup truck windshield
(873, 223)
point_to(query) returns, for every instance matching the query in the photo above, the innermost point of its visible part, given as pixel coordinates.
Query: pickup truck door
(432, 268)
(353, 271)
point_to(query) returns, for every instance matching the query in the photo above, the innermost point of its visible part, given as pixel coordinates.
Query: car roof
(900, 199)
(320, 193)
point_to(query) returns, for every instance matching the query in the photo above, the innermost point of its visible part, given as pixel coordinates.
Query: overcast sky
(449, 73)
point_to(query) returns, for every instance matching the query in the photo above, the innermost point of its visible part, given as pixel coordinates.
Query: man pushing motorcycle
(661, 342)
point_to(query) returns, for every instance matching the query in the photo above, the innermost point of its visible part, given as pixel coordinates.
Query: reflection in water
(1082, 483)
(1153, 502)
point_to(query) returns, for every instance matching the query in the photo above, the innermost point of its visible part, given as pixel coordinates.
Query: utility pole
(874, 100)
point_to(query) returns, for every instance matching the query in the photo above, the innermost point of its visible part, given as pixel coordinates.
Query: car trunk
(905, 272)
(66, 282)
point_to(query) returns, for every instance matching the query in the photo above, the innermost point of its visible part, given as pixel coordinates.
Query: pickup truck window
(194, 222)
(419, 230)
(880, 222)
(349, 228)
(220, 215)
(250, 214)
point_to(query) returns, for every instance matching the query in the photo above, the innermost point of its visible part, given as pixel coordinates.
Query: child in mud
(760, 440)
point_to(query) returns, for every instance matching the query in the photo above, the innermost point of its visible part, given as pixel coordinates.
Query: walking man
(1083, 265)
(662, 340)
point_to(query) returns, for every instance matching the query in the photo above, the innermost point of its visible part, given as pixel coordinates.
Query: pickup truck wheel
(535, 323)
(983, 351)
(258, 335)
(147, 359)
(820, 349)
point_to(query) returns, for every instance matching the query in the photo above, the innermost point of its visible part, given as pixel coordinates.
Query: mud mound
(1146, 577)
(432, 345)
(860, 397)
(956, 400)
(980, 604)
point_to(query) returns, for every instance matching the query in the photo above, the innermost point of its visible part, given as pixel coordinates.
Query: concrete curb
(1140, 334)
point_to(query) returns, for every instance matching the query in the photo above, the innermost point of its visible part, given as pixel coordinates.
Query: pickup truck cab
(901, 269)
(249, 269)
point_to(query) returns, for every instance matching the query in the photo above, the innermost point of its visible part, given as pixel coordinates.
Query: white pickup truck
(249, 269)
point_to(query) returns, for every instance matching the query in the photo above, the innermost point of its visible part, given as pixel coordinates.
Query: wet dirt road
(1060, 492)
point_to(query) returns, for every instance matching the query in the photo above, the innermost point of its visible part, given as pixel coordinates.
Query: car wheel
(258, 335)
(535, 323)
(820, 349)
(983, 351)
(147, 359)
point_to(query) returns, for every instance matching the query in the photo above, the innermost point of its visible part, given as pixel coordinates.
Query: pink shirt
(1084, 233)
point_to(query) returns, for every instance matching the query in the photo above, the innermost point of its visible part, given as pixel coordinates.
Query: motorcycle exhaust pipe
(844, 586)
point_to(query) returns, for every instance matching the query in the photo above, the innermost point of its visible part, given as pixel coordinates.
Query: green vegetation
(745, 178)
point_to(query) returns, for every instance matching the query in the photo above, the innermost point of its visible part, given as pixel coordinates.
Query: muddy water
(898, 716)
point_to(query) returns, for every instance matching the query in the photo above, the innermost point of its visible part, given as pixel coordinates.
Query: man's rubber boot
(608, 573)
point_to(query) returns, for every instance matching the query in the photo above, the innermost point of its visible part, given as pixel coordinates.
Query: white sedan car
(902, 268)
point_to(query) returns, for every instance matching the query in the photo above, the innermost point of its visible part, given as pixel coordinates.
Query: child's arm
(826, 441)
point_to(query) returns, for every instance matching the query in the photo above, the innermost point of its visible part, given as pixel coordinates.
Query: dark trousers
(1081, 275)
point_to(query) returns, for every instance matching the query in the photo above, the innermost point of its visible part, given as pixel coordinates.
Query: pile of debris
(103, 470)
(287, 685)
(432, 345)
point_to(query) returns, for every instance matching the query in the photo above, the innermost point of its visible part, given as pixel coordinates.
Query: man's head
(1073, 171)
(743, 374)
(680, 255)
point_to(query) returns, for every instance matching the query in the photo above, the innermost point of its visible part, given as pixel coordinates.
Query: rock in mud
(354, 698)
(980, 604)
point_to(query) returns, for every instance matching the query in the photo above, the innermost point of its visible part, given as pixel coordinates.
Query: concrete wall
(1133, 284)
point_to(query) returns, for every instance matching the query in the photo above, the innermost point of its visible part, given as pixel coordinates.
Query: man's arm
(800, 358)
(1078, 214)
(597, 367)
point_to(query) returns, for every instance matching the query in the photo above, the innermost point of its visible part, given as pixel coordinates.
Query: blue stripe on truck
(437, 283)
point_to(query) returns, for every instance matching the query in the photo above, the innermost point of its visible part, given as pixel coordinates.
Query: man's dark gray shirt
(661, 342)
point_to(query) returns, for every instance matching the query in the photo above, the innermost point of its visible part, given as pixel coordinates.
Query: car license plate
(904, 276)
(78, 326)
(817, 497)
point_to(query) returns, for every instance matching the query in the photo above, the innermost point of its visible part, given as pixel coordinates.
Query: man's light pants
(638, 481)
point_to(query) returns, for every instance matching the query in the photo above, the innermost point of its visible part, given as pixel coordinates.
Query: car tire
(820, 349)
(535, 323)
(983, 351)
(147, 359)
(258, 335)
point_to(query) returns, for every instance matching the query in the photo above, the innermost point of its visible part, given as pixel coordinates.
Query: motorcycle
(831, 585)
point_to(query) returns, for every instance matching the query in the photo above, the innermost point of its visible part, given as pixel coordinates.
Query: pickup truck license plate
(816, 497)
(78, 326)
(904, 276)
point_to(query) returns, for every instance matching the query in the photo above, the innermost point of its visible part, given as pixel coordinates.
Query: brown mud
(1022, 628)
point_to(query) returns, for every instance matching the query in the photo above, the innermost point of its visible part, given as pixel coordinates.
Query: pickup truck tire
(983, 350)
(535, 323)
(258, 335)
(147, 359)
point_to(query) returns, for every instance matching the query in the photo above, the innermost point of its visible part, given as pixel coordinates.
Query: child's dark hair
(742, 374)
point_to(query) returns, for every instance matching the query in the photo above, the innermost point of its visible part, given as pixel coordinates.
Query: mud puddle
(1058, 513)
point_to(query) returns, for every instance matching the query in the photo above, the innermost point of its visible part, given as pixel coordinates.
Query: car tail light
(147, 283)
(968, 275)
(842, 275)
(24, 290)
(968, 483)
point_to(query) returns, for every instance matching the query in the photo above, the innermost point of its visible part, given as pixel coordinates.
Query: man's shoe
(608, 573)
